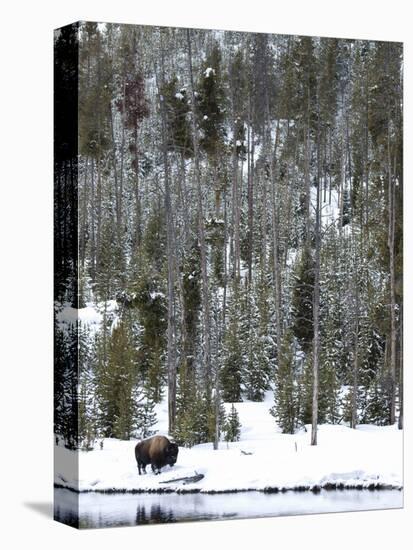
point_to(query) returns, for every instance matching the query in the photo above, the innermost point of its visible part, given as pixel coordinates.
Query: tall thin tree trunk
(275, 240)
(118, 193)
(250, 194)
(354, 396)
(316, 303)
(92, 222)
(201, 232)
(98, 211)
(82, 244)
(307, 154)
(235, 210)
(224, 297)
(171, 356)
(391, 207)
(217, 386)
(367, 170)
(401, 393)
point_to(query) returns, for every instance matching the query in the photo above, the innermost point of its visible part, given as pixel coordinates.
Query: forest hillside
(239, 236)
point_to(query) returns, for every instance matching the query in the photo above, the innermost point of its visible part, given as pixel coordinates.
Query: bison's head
(172, 453)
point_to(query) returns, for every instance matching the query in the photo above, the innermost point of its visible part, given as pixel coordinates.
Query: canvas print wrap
(228, 274)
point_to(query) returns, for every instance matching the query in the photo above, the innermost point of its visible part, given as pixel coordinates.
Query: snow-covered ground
(366, 457)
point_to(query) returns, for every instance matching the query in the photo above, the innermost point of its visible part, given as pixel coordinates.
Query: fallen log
(245, 452)
(186, 479)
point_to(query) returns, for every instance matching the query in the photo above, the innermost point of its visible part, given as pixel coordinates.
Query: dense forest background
(239, 211)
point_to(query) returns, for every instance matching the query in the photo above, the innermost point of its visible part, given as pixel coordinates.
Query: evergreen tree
(302, 299)
(329, 403)
(286, 406)
(149, 298)
(193, 424)
(88, 417)
(177, 109)
(211, 110)
(231, 372)
(305, 391)
(377, 403)
(118, 379)
(232, 426)
(257, 369)
(65, 384)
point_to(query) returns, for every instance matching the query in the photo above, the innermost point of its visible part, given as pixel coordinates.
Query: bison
(157, 451)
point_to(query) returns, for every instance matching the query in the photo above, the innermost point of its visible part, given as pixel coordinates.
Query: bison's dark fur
(157, 451)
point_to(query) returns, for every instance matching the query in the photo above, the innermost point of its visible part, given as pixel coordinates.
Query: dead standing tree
(201, 233)
(170, 234)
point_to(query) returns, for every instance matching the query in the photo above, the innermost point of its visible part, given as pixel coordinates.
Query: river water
(110, 510)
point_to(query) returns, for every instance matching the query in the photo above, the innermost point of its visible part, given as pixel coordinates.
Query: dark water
(110, 510)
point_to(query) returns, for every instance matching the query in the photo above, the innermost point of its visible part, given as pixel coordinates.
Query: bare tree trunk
(401, 394)
(367, 171)
(201, 231)
(136, 189)
(82, 243)
(343, 172)
(307, 180)
(118, 189)
(341, 190)
(264, 239)
(217, 385)
(316, 303)
(92, 222)
(330, 156)
(98, 211)
(224, 298)
(184, 199)
(250, 194)
(391, 207)
(275, 239)
(171, 359)
(354, 397)
(235, 211)
(316, 340)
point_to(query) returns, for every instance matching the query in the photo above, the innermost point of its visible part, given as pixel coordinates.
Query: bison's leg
(139, 467)
(156, 469)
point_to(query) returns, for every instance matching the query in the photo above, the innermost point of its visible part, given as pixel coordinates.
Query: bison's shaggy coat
(157, 451)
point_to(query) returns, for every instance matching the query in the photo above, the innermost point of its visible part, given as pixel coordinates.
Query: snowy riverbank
(368, 457)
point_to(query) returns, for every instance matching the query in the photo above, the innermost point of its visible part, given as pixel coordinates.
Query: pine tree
(377, 403)
(88, 418)
(286, 388)
(65, 384)
(231, 372)
(193, 421)
(150, 301)
(256, 373)
(302, 300)
(177, 108)
(305, 391)
(232, 426)
(118, 378)
(211, 111)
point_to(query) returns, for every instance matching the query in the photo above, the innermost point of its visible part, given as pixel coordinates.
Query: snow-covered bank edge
(328, 486)
(263, 460)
